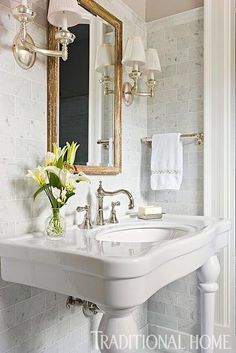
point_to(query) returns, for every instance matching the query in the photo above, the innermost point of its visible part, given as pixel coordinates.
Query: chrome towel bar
(198, 136)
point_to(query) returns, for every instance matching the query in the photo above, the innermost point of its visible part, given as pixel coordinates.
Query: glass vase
(55, 225)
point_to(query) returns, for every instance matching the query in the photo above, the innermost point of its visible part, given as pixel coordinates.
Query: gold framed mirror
(85, 106)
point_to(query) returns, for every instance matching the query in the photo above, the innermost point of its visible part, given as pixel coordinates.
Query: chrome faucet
(101, 193)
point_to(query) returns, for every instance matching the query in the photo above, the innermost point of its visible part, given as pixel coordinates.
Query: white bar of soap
(149, 210)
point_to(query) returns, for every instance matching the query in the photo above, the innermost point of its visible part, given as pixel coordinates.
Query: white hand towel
(167, 162)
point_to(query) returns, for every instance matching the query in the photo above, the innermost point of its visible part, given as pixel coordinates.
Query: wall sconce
(62, 14)
(104, 61)
(136, 57)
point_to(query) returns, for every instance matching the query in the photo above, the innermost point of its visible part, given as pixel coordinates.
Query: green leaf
(43, 188)
(69, 194)
(54, 180)
(60, 162)
(53, 201)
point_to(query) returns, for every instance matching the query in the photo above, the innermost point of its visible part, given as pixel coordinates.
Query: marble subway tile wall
(33, 320)
(178, 107)
(178, 104)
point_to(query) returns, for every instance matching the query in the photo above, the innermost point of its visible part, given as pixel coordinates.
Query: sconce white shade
(64, 13)
(134, 52)
(152, 61)
(105, 57)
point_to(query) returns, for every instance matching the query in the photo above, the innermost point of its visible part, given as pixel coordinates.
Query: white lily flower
(81, 177)
(54, 170)
(55, 178)
(66, 178)
(71, 152)
(50, 158)
(59, 152)
(56, 193)
(63, 195)
(39, 175)
(70, 185)
(59, 195)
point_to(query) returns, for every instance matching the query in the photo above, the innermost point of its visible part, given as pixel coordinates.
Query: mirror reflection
(86, 92)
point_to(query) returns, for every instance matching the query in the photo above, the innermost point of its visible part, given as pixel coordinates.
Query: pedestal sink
(120, 267)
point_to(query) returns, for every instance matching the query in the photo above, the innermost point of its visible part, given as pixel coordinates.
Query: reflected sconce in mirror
(61, 13)
(142, 63)
(104, 62)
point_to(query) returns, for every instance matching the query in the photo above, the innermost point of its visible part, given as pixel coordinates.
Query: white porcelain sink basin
(94, 264)
(120, 267)
(150, 232)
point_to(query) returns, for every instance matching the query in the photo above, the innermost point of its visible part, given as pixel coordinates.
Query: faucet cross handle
(83, 208)
(113, 217)
(86, 224)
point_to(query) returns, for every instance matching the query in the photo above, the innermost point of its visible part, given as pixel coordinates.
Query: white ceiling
(151, 10)
(139, 6)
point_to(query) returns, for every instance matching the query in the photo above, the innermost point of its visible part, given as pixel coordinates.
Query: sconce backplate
(25, 57)
(128, 95)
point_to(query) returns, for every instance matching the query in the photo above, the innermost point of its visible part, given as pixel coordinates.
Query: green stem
(48, 195)
(56, 224)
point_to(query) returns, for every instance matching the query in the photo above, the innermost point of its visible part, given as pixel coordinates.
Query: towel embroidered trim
(166, 171)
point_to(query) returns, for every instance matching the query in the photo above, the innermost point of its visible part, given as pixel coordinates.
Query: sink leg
(118, 332)
(208, 275)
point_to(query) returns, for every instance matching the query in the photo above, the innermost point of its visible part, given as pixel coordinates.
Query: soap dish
(151, 216)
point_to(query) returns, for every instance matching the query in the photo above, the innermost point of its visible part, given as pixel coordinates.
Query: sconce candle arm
(25, 49)
(23, 35)
(144, 94)
(131, 90)
(107, 92)
(55, 53)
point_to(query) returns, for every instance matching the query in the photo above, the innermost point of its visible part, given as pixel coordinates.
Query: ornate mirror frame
(53, 91)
